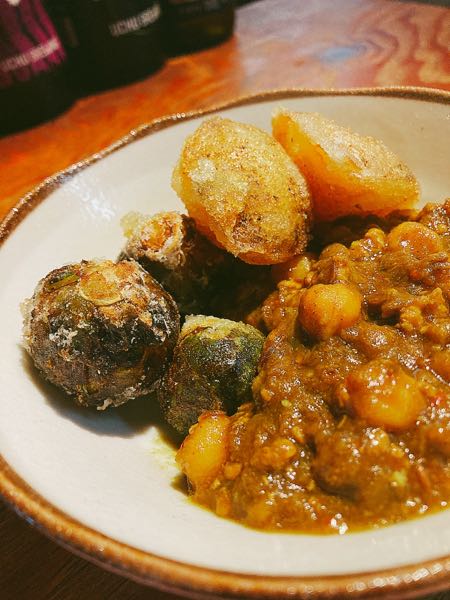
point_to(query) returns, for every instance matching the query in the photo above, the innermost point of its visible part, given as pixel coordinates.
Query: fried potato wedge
(347, 173)
(243, 191)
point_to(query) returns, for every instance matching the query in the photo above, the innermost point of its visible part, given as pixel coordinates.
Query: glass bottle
(33, 85)
(110, 42)
(194, 24)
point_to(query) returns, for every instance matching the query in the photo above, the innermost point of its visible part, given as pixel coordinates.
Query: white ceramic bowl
(102, 483)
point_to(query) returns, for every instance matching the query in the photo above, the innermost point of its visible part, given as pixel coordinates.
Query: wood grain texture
(277, 44)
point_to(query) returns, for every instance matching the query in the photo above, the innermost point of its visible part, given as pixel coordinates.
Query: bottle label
(186, 9)
(136, 22)
(29, 44)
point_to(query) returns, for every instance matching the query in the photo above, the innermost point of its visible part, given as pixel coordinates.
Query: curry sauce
(350, 424)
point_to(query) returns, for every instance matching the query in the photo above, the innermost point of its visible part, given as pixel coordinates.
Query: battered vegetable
(213, 368)
(102, 331)
(346, 172)
(202, 278)
(243, 191)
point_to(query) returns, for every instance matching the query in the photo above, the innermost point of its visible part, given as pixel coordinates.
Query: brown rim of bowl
(189, 580)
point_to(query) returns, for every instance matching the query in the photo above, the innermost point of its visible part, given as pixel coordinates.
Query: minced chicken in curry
(351, 421)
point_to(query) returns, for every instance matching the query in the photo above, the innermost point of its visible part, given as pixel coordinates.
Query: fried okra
(214, 364)
(102, 331)
(202, 278)
(244, 192)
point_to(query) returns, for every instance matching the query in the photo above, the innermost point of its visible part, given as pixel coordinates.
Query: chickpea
(325, 310)
(438, 436)
(260, 513)
(296, 268)
(274, 455)
(205, 449)
(381, 393)
(416, 238)
(334, 251)
(440, 363)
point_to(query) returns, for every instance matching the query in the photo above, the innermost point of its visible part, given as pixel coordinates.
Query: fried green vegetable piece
(202, 278)
(104, 332)
(214, 364)
(170, 248)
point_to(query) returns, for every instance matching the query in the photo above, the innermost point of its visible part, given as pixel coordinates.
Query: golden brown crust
(243, 191)
(347, 172)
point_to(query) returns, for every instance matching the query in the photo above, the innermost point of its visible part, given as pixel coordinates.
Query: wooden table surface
(277, 44)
